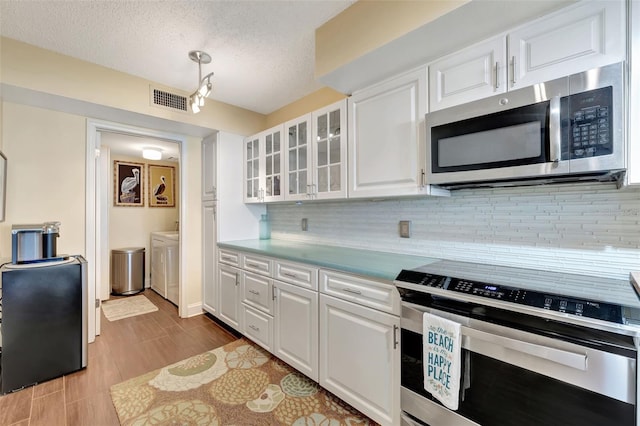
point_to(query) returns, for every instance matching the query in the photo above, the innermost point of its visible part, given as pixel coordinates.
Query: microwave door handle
(472, 337)
(555, 139)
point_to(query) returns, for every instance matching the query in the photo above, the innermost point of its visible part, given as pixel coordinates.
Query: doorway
(106, 141)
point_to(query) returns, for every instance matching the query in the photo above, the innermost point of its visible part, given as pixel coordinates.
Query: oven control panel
(554, 302)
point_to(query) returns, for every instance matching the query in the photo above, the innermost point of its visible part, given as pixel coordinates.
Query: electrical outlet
(404, 227)
(304, 224)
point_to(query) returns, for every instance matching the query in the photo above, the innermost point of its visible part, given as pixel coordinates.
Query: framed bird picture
(161, 186)
(128, 184)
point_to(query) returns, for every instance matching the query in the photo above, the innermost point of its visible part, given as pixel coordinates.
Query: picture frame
(162, 187)
(128, 184)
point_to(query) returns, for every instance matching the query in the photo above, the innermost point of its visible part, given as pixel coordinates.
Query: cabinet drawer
(229, 257)
(258, 327)
(297, 274)
(257, 291)
(258, 264)
(375, 294)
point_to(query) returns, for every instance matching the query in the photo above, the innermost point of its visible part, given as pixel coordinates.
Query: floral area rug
(236, 384)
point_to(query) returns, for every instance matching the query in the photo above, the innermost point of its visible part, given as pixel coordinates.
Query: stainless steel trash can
(127, 270)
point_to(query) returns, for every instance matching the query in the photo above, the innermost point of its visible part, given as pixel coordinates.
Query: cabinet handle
(289, 274)
(215, 193)
(227, 258)
(513, 70)
(237, 279)
(257, 293)
(273, 293)
(422, 178)
(252, 265)
(348, 290)
(497, 76)
(395, 336)
(254, 328)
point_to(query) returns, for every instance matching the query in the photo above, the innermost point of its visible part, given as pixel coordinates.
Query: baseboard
(194, 309)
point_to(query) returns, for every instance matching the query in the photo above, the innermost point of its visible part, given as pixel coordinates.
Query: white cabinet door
(360, 358)
(298, 159)
(633, 170)
(329, 142)
(158, 276)
(263, 166)
(386, 145)
(229, 296)
(577, 38)
(209, 290)
(296, 327)
(209, 169)
(253, 169)
(473, 73)
(273, 160)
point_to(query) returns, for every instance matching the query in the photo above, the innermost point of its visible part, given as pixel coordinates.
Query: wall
(45, 173)
(26, 66)
(368, 25)
(316, 100)
(584, 228)
(131, 226)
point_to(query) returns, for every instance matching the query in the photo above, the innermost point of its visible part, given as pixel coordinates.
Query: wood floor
(126, 348)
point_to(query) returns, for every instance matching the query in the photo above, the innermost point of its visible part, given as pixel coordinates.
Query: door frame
(93, 197)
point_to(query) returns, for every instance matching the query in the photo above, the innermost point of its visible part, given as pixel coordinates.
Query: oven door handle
(555, 137)
(473, 340)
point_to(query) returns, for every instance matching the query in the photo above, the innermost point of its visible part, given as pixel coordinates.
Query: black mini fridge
(44, 322)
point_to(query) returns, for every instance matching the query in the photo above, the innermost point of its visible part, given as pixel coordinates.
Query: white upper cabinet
(386, 140)
(476, 72)
(633, 169)
(329, 142)
(298, 158)
(209, 191)
(263, 171)
(585, 35)
(315, 154)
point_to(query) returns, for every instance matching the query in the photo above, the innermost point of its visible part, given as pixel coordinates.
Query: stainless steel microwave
(568, 129)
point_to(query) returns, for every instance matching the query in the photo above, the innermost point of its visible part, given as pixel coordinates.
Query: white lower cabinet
(296, 327)
(258, 326)
(209, 287)
(229, 300)
(360, 357)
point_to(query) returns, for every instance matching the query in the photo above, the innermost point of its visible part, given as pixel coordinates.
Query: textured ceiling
(263, 51)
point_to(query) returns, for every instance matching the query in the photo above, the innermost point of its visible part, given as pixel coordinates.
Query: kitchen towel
(441, 359)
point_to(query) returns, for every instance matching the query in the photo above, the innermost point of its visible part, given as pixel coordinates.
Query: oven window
(501, 394)
(515, 137)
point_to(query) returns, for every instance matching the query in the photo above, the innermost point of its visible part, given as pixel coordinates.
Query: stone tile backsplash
(591, 229)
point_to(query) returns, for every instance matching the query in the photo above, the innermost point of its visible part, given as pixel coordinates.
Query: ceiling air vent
(168, 100)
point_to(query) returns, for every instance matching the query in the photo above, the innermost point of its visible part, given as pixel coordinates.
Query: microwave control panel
(553, 302)
(590, 132)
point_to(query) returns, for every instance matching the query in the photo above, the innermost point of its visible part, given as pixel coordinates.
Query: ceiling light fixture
(196, 100)
(151, 154)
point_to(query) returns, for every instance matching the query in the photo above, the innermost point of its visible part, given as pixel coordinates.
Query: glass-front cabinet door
(252, 169)
(330, 151)
(298, 158)
(273, 165)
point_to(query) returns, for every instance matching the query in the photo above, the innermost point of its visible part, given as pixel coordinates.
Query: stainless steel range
(530, 355)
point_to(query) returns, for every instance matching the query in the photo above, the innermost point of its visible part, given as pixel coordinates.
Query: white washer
(165, 255)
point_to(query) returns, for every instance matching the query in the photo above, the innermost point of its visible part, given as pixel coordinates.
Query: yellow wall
(369, 24)
(30, 67)
(309, 103)
(132, 226)
(45, 173)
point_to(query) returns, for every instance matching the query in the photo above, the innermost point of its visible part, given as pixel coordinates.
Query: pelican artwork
(127, 193)
(159, 190)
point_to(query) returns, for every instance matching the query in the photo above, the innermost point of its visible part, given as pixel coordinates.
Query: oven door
(512, 377)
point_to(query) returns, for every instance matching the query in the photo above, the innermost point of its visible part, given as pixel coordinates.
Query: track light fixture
(196, 100)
